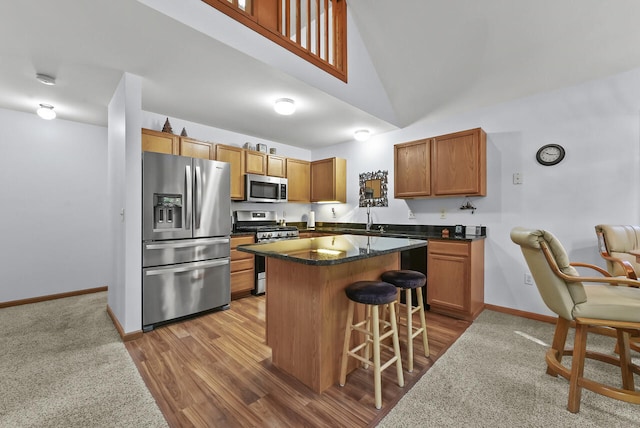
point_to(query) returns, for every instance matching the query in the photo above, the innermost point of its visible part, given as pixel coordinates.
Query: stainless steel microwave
(262, 188)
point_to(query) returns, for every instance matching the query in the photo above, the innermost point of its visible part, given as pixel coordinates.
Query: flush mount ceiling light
(46, 79)
(362, 134)
(45, 111)
(285, 106)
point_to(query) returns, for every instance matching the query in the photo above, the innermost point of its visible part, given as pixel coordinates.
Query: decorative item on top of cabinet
(167, 127)
(329, 180)
(447, 165)
(276, 166)
(197, 149)
(242, 267)
(455, 277)
(160, 142)
(299, 180)
(184, 132)
(255, 162)
(234, 156)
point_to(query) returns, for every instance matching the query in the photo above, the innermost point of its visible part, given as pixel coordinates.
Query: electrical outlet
(443, 213)
(517, 178)
(528, 279)
(411, 215)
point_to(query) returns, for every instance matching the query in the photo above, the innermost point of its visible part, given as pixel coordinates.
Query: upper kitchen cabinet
(197, 149)
(329, 180)
(447, 165)
(411, 169)
(234, 156)
(255, 162)
(299, 180)
(160, 142)
(276, 166)
(459, 164)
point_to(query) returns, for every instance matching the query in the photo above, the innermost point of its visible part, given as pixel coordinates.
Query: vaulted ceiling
(433, 58)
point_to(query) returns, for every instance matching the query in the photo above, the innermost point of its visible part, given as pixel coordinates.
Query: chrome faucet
(369, 222)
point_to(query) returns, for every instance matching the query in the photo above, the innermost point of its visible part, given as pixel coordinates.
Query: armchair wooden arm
(606, 279)
(623, 264)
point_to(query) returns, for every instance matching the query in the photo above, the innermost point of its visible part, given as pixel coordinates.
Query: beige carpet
(494, 376)
(62, 364)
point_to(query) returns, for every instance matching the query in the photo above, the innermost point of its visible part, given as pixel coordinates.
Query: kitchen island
(306, 307)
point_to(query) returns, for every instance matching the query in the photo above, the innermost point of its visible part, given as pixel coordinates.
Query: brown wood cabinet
(276, 166)
(160, 142)
(455, 277)
(197, 149)
(242, 267)
(235, 156)
(255, 162)
(447, 165)
(329, 180)
(299, 179)
(411, 169)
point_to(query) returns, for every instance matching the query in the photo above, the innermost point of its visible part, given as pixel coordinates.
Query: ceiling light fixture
(362, 134)
(46, 79)
(45, 111)
(285, 106)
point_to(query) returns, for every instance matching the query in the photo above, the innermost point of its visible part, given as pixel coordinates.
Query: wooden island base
(306, 312)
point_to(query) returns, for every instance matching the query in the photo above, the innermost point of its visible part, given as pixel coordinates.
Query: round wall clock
(550, 154)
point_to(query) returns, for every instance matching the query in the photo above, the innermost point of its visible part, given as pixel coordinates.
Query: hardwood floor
(215, 370)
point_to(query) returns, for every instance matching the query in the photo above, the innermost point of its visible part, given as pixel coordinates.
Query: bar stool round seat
(371, 292)
(374, 330)
(405, 278)
(409, 280)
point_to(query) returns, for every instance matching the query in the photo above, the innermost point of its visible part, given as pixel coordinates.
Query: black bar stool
(373, 294)
(409, 280)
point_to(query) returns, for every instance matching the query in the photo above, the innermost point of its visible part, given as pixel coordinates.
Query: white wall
(598, 123)
(53, 188)
(125, 205)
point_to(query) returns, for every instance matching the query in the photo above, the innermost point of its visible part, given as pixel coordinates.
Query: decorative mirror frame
(382, 201)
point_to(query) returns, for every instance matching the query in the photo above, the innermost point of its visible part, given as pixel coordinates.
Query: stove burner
(265, 226)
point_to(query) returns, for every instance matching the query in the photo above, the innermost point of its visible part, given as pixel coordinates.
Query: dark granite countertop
(390, 230)
(332, 250)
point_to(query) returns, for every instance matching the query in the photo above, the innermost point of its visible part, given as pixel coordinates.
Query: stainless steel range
(266, 228)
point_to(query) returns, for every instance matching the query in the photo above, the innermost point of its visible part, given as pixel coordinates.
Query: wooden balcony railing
(315, 30)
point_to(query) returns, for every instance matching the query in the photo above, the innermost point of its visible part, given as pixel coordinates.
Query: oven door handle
(186, 244)
(188, 267)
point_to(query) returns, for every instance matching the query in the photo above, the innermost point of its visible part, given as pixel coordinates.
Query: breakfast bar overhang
(306, 307)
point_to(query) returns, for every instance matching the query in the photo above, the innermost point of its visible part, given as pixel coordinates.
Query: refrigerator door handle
(188, 202)
(185, 244)
(188, 267)
(198, 197)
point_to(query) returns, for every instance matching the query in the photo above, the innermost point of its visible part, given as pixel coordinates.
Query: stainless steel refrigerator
(186, 227)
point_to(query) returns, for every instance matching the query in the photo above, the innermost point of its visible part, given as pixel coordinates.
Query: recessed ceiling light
(362, 134)
(46, 79)
(285, 106)
(45, 111)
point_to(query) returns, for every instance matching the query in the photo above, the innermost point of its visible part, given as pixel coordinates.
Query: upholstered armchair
(614, 244)
(607, 303)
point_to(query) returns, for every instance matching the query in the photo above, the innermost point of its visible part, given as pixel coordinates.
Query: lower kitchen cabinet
(242, 267)
(455, 278)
